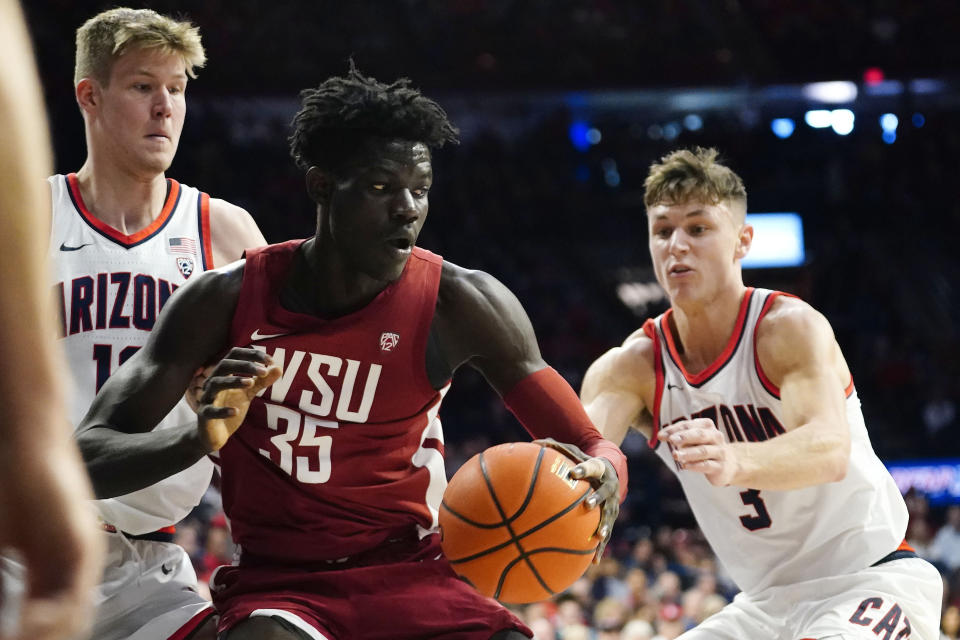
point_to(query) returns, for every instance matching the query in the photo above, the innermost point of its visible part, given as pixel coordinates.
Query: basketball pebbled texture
(513, 524)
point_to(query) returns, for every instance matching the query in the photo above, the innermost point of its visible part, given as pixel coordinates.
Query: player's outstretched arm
(122, 451)
(481, 323)
(798, 353)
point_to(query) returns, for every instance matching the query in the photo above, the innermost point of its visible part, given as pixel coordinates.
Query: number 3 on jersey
(751, 498)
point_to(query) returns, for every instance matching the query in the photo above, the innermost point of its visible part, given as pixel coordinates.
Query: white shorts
(148, 592)
(897, 600)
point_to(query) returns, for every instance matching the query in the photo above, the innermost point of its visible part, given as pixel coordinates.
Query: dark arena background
(846, 114)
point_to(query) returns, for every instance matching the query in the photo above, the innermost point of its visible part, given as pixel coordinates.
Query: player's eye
(379, 186)
(421, 192)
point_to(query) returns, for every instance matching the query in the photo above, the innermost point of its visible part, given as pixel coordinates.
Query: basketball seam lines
(526, 533)
(572, 552)
(520, 509)
(506, 523)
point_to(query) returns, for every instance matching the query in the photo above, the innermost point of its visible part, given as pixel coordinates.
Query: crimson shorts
(412, 595)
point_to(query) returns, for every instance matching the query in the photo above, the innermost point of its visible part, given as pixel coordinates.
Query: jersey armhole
(771, 388)
(203, 222)
(649, 328)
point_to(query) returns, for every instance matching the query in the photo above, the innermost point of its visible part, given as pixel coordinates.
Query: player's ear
(88, 94)
(744, 241)
(319, 185)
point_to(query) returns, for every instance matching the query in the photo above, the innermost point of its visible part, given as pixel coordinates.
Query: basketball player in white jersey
(43, 519)
(124, 238)
(745, 394)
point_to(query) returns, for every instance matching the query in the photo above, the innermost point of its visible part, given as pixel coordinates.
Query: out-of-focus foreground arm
(43, 487)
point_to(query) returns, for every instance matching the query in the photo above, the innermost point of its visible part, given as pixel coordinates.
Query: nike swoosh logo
(166, 572)
(256, 335)
(670, 386)
(64, 247)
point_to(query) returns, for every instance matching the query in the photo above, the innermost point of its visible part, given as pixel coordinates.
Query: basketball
(514, 525)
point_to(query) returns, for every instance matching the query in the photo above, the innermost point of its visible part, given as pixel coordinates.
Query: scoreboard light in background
(777, 241)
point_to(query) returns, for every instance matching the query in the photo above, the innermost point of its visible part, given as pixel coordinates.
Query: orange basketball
(515, 526)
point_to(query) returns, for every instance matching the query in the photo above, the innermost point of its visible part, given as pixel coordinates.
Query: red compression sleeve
(548, 407)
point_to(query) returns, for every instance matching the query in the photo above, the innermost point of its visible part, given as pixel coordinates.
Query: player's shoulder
(636, 354)
(790, 318)
(469, 286)
(223, 212)
(631, 364)
(219, 285)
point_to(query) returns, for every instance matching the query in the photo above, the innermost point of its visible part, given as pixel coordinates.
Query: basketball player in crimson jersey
(745, 394)
(333, 476)
(124, 238)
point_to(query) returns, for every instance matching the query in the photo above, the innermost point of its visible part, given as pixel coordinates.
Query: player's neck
(323, 285)
(702, 330)
(126, 201)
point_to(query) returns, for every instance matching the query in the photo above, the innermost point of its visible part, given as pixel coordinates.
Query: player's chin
(391, 269)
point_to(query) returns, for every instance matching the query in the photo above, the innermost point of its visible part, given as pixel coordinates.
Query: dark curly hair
(345, 110)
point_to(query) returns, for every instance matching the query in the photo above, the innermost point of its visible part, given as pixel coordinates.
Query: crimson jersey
(346, 449)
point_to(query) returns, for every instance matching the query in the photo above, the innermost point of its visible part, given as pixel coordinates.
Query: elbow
(86, 444)
(90, 452)
(838, 462)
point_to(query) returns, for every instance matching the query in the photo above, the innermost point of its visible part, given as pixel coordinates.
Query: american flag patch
(182, 245)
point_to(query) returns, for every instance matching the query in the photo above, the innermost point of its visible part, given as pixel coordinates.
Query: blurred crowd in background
(561, 225)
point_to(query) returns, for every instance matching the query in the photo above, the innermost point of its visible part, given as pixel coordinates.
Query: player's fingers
(605, 530)
(606, 492)
(210, 412)
(601, 547)
(232, 366)
(271, 375)
(693, 437)
(685, 426)
(592, 468)
(249, 353)
(696, 453)
(215, 385)
(571, 451)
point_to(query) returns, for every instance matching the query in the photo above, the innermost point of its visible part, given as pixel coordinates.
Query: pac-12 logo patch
(388, 341)
(186, 266)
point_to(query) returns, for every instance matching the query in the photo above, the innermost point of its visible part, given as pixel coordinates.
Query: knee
(261, 628)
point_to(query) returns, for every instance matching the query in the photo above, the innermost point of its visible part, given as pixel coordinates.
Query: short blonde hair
(108, 35)
(688, 175)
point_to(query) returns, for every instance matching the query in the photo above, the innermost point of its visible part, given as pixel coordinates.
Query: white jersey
(111, 287)
(768, 538)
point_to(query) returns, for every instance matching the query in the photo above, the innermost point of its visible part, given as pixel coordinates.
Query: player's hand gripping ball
(515, 525)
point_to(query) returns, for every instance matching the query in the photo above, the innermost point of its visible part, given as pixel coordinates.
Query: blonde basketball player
(42, 483)
(746, 396)
(125, 237)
